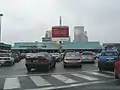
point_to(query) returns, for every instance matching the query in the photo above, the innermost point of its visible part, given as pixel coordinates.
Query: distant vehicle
(60, 57)
(6, 59)
(16, 57)
(88, 56)
(55, 54)
(22, 55)
(107, 59)
(5, 51)
(117, 68)
(28, 55)
(42, 60)
(72, 59)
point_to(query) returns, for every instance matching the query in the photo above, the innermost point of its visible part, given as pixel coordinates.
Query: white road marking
(11, 83)
(39, 81)
(108, 72)
(71, 85)
(99, 74)
(42, 74)
(64, 79)
(85, 77)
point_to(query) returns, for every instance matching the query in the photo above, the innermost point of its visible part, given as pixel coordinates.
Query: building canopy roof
(51, 45)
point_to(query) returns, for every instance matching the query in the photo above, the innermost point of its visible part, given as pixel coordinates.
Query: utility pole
(0, 26)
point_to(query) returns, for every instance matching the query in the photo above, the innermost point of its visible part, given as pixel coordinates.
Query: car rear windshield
(40, 54)
(109, 54)
(72, 55)
(87, 53)
(4, 55)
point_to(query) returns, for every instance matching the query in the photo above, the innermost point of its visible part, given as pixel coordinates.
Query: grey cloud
(30, 18)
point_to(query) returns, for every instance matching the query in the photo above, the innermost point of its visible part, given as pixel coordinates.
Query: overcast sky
(27, 20)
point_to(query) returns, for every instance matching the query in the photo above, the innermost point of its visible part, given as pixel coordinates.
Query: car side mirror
(97, 56)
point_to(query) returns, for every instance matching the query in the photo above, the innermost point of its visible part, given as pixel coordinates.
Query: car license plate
(110, 60)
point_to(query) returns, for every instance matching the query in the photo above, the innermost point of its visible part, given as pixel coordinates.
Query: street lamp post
(0, 26)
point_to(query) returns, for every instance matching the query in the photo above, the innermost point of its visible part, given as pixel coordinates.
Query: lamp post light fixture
(0, 25)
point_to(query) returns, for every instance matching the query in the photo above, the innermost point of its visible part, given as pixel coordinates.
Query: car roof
(87, 52)
(109, 51)
(73, 52)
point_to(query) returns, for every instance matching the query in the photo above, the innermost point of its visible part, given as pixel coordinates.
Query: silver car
(87, 56)
(6, 59)
(72, 59)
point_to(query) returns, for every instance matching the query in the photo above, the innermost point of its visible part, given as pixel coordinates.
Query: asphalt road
(74, 78)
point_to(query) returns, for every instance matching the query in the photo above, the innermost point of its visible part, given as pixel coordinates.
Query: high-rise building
(79, 34)
(47, 37)
(48, 33)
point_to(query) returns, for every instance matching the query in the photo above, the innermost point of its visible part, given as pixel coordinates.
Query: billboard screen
(60, 31)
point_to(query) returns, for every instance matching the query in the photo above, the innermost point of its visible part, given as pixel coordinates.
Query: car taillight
(78, 59)
(67, 59)
(92, 57)
(81, 57)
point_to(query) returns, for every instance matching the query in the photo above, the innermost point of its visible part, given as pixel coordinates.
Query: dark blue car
(107, 59)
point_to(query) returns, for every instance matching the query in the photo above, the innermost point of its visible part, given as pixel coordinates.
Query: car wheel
(116, 76)
(54, 65)
(13, 63)
(28, 69)
(100, 69)
(65, 66)
(80, 66)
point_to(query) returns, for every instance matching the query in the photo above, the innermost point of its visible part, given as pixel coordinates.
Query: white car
(6, 59)
(55, 54)
(28, 55)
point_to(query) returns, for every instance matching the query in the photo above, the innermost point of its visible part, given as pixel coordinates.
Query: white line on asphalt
(99, 74)
(71, 85)
(11, 83)
(43, 74)
(108, 72)
(64, 79)
(85, 77)
(39, 81)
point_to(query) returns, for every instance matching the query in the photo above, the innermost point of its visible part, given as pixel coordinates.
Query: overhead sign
(60, 31)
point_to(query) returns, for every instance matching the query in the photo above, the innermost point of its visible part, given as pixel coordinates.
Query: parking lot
(60, 77)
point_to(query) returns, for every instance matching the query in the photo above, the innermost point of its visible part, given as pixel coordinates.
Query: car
(6, 59)
(117, 68)
(22, 55)
(60, 57)
(106, 60)
(42, 60)
(72, 59)
(28, 55)
(57, 56)
(16, 57)
(88, 56)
